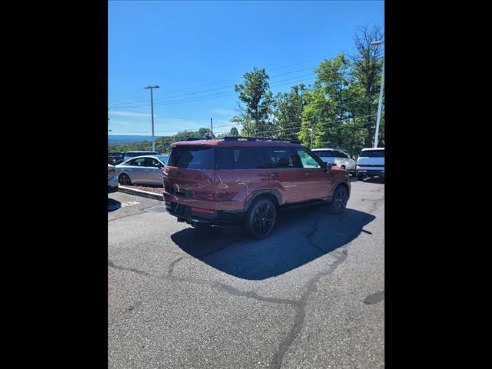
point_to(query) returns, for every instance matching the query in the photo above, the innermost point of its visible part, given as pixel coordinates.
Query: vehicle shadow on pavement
(300, 236)
(113, 205)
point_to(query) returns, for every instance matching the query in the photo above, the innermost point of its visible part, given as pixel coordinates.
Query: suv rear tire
(339, 201)
(261, 218)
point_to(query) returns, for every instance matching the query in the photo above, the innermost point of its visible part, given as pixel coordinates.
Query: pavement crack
(250, 294)
(375, 204)
(216, 285)
(125, 216)
(127, 269)
(300, 307)
(171, 266)
(310, 235)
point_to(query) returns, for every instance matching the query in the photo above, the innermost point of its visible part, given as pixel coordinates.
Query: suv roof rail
(206, 137)
(241, 138)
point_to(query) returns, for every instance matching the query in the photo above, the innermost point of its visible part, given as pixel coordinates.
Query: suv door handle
(274, 175)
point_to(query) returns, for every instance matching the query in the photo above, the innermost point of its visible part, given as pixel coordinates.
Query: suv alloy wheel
(340, 199)
(261, 218)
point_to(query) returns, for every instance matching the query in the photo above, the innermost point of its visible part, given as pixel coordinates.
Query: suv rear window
(191, 157)
(372, 154)
(324, 153)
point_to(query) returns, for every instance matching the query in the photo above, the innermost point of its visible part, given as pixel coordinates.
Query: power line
(207, 90)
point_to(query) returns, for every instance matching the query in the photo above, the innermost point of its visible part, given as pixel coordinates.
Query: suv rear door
(287, 174)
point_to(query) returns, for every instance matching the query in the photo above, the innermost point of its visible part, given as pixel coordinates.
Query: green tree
(233, 132)
(367, 69)
(255, 94)
(287, 112)
(330, 104)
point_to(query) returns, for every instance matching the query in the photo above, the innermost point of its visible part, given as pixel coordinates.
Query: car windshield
(372, 154)
(163, 158)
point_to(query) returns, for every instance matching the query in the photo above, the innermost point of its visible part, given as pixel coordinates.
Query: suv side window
(243, 158)
(308, 160)
(339, 154)
(325, 154)
(285, 158)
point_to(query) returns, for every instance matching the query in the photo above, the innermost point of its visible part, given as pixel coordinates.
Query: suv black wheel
(261, 218)
(340, 199)
(125, 180)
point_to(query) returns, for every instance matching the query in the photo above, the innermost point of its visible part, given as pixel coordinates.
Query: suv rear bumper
(185, 213)
(371, 172)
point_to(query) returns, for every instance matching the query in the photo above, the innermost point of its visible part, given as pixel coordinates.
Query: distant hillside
(126, 139)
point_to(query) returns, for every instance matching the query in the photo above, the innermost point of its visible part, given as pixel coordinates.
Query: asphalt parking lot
(311, 295)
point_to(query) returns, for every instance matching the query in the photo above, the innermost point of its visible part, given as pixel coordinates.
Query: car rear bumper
(197, 216)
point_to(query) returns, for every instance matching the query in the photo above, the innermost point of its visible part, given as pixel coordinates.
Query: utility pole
(152, 111)
(211, 129)
(311, 130)
(376, 134)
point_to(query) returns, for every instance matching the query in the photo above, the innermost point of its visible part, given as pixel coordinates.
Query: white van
(370, 163)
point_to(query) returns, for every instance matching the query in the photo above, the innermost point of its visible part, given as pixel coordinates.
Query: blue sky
(197, 50)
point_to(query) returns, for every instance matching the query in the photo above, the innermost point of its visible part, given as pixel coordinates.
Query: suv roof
(373, 149)
(240, 141)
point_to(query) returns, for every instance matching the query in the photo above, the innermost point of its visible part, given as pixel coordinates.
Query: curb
(133, 191)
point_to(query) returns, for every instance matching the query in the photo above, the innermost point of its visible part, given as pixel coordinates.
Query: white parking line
(123, 205)
(130, 203)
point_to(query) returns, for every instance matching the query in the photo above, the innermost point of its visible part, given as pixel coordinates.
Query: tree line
(338, 110)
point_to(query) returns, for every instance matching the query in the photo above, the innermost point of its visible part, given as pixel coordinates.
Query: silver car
(145, 169)
(112, 179)
(338, 157)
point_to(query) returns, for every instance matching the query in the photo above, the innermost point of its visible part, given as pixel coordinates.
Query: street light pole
(311, 130)
(376, 134)
(152, 111)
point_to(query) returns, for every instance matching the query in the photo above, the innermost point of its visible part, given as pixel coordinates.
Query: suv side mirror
(325, 165)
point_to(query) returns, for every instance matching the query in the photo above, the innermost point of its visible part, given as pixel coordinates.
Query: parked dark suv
(239, 180)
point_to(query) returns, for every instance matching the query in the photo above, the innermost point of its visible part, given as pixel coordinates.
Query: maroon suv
(239, 180)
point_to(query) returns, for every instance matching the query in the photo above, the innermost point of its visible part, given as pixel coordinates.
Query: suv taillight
(111, 171)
